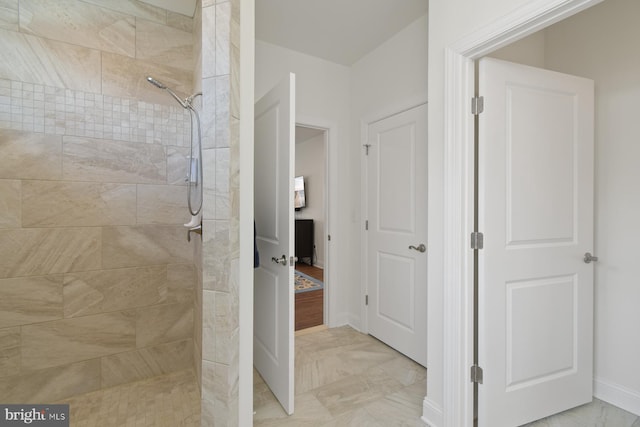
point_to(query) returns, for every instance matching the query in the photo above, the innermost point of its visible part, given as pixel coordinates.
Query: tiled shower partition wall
(96, 276)
(220, 247)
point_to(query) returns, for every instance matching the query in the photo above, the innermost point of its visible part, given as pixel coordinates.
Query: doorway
(616, 388)
(310, 189)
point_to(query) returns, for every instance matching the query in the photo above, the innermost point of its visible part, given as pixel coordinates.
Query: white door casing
(535, 208)
(397, 221)
(274, 217)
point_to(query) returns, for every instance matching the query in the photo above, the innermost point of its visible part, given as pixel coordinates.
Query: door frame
(456, 321)
(329, 210)
(330, 317)
(389, 111)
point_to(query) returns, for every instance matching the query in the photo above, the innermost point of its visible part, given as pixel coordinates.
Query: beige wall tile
(197, 49)
(145, 245)
(181, 280)
(234, 102)
(40, 251)
(37, 60)
(208, 41)
(209, 113)
(209, 184)
(71, 340)
(215, 255)
(146, 362)
(180, 21)
(162, 204)
(49, 385)
(177, 165)
(59, 204)
(10, 206)
(9, 15)
(79, 23)
(163, 323)
(9, 351)
(124, 76)
(101, 291)
(26, 300)
(89, 159)
(223, 33)
(209, 415)
(223, 115)
(226, 319)
(28, 155)
(209, 325)
(165, 45)
(235, 24)
(135, 8)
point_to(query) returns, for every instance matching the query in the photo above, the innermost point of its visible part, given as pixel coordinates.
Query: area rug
(304, 283)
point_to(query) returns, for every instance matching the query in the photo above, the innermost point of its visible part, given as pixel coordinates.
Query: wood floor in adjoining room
(345, 378)
(310, 270)
(309, 306)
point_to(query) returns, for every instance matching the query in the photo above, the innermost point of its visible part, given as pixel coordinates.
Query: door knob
(420, 248)
(282, 260)
(588, 258)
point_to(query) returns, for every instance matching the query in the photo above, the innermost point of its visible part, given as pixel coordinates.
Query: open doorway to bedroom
(310, 226)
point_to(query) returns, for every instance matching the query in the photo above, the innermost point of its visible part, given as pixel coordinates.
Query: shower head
(156, 83)
(160, 85)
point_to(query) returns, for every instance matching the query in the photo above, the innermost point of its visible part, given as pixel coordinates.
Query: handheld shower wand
(194, 169)
(161, 85)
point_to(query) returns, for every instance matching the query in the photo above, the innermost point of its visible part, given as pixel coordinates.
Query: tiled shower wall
(96, 276)
(220, 244)
(197, 314)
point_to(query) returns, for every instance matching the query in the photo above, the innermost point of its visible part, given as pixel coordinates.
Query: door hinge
(366, 300)
(477, 240)
(366, 224)
(477, 105)
(476, 374)
(329, 237)
(366, 147)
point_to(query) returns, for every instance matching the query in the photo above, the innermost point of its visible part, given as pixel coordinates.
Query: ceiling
(336, 30)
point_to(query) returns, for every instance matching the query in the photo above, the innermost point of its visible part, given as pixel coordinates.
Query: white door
(397, 232)
(535, 208)
(273, 280)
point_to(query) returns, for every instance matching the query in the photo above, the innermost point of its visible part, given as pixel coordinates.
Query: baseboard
(432, 415)
(340, 319)
(354, 322)
(617, 395)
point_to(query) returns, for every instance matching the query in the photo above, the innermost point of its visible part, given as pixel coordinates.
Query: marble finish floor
(594, 414)
(345, 378)
(171, 400)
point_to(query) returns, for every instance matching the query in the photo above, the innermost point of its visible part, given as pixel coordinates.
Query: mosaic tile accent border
(59, 111)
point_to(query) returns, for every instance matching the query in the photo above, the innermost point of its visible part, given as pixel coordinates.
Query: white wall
(310, 163)
(528, 51)
(322, 97)
(388, 80)
(602, 44)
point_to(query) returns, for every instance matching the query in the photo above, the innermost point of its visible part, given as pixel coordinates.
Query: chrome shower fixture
(194, 167)
(186, 103)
